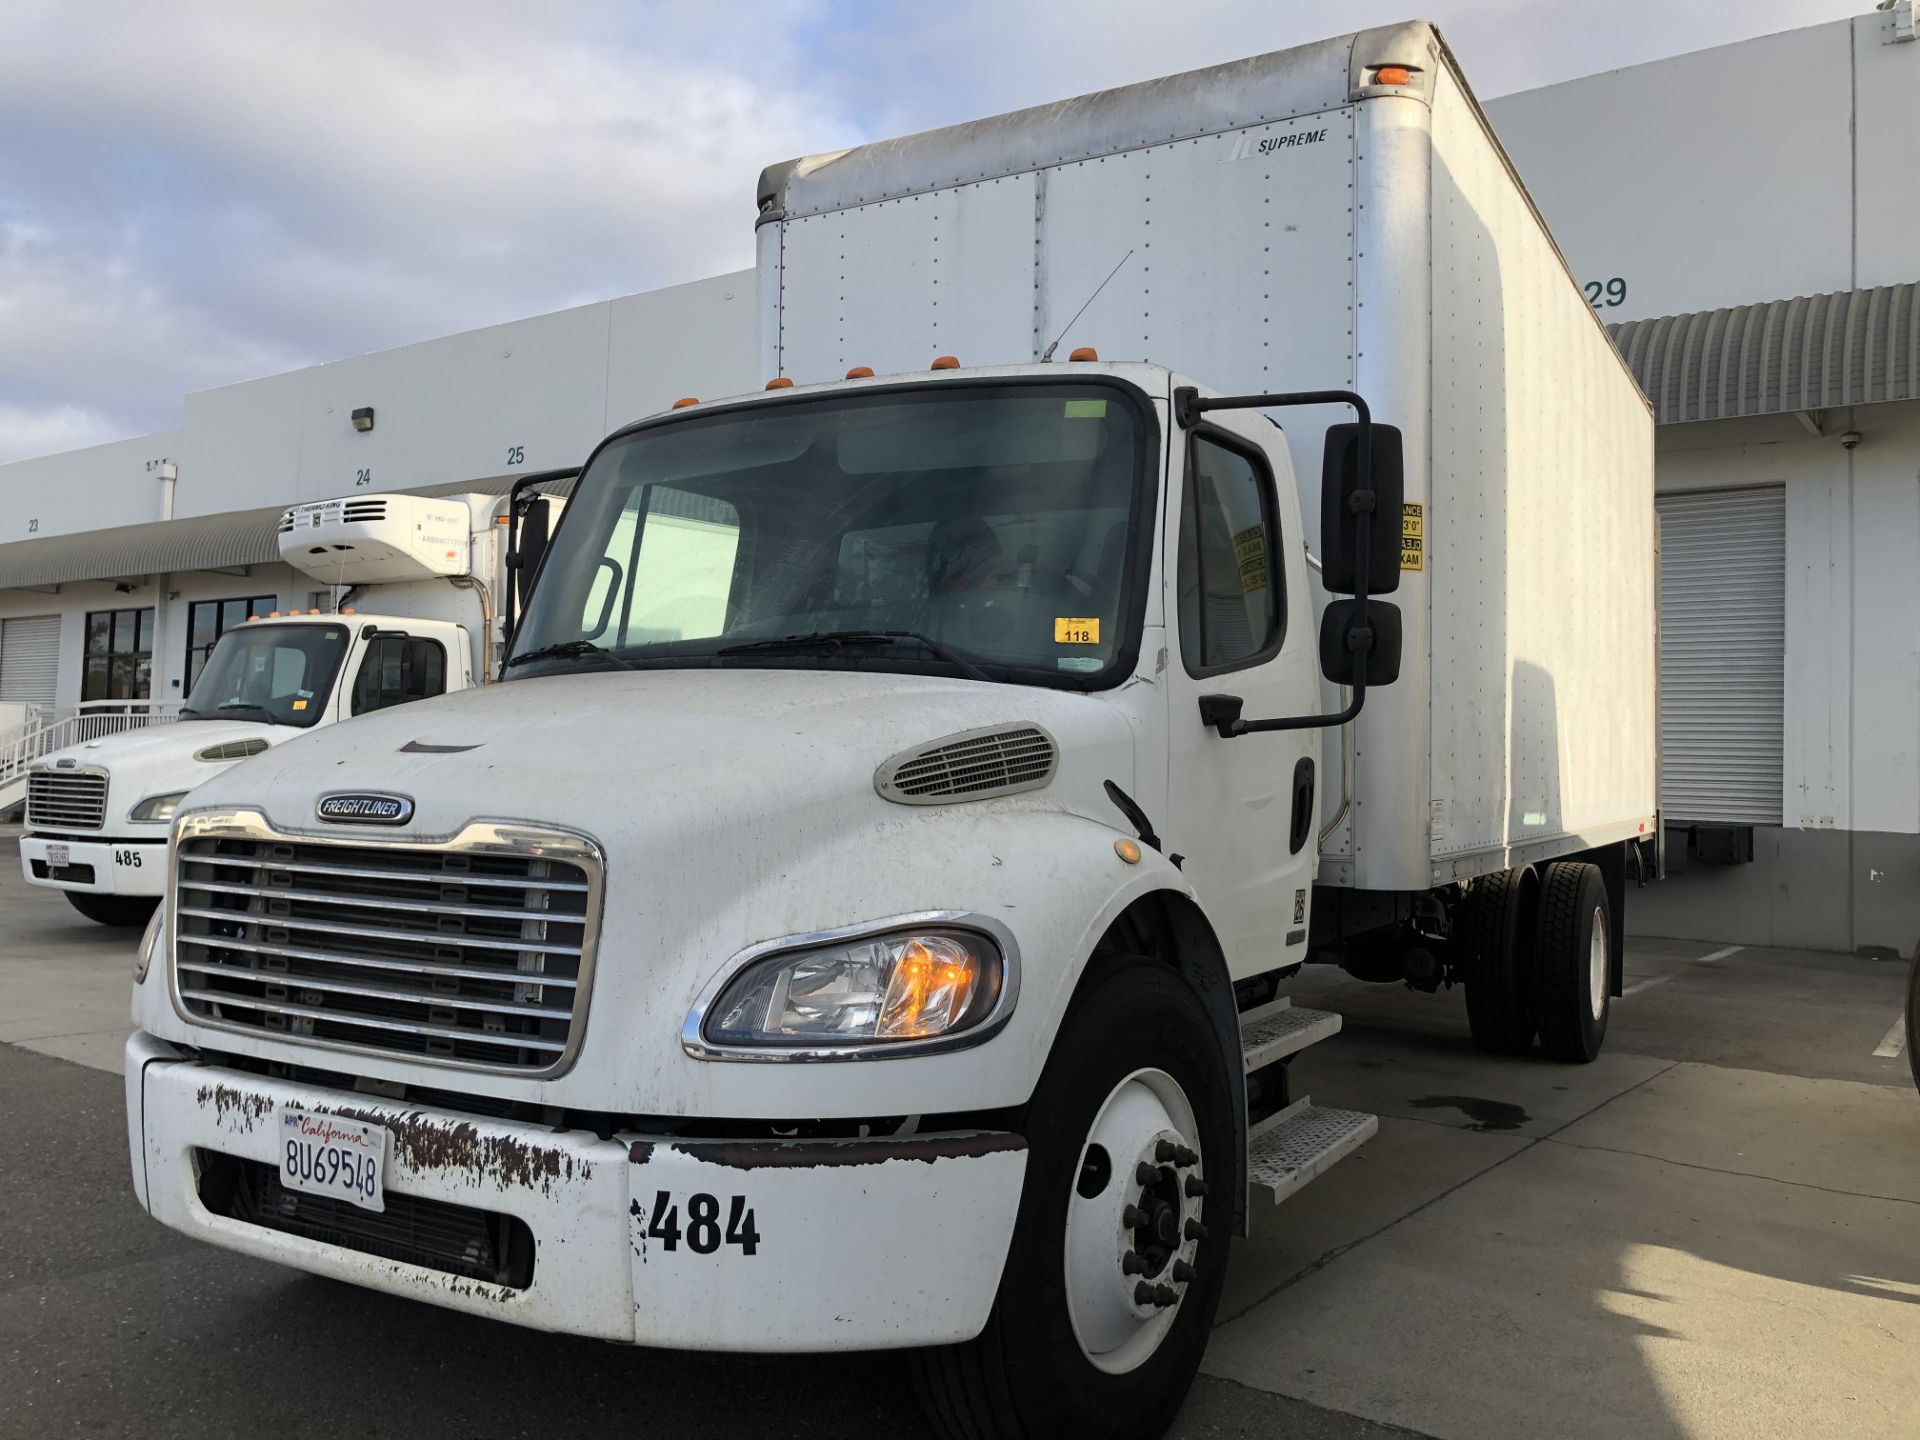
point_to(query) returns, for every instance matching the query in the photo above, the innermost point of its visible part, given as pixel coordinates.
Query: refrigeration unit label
(1413, 537)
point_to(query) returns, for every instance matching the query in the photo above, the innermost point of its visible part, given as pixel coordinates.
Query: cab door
(1244, 812)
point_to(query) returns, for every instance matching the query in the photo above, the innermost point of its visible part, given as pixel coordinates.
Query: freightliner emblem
(355, 807)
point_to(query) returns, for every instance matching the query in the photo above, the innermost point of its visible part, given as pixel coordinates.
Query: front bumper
(856, 1244)
(100, 867)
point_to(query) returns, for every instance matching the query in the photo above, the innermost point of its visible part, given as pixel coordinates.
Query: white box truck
(415, 580)
(861, 920)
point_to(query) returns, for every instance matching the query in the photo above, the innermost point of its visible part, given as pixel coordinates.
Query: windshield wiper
(569, 650)
(835, 639)
(231, 706)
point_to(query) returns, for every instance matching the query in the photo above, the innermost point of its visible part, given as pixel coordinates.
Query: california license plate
(59, 857)
(325, 1155)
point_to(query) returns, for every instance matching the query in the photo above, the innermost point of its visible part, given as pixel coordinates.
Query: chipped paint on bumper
(859, 1244)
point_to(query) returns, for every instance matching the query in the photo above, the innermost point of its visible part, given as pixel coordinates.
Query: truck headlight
(156, 809)
(868, 992)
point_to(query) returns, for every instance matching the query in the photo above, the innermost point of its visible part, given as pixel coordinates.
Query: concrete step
(1301, 1142)
(1273, 1033)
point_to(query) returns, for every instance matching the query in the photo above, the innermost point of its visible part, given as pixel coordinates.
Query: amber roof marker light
(860, 372)
(945, 362)
(1392, 75)
(779, 382)
(1084, 352)
(685, 400)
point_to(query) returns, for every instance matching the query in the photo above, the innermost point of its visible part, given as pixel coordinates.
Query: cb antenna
(1046, 355)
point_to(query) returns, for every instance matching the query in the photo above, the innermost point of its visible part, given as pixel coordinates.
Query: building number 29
(1608, 293)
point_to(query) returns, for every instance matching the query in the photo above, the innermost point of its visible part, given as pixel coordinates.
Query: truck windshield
(981, 530)
(281, 674)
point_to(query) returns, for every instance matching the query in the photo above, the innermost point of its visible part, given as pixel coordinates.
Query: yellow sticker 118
(1076, 630)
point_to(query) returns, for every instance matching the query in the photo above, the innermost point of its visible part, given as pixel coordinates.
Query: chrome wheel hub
(1133, 1221)
(1597, 964)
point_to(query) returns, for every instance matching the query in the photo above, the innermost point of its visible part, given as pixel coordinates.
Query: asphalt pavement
(1712, 1231)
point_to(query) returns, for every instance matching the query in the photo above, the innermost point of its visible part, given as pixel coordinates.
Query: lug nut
(1182, 1272)
(1183, 1156)
(1132, 1264)
(1195, 1230)
(1164, 1151)
(1133, 1217)
(1143, 1294)
(1196, 1187)
(1165, 1295)
(1145, 1174)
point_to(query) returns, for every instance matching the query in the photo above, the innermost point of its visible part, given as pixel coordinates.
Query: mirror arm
(1222, 712)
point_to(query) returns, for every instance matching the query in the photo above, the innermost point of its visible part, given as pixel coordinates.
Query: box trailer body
(1284, 224)
(863, 920)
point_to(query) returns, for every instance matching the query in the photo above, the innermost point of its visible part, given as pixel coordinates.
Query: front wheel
(1120, 1248)
(127, 911)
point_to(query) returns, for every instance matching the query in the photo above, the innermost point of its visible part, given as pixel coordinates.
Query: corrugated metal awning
(1814, 352)
(205, 542)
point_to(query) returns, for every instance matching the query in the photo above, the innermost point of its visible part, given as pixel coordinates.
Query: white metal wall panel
(1539, 538)
(1723, 558)
(30, 659)
(893, 284)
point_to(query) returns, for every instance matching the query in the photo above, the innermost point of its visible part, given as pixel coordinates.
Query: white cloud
(198, 193)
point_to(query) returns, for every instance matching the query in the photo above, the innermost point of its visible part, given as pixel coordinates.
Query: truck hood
(633, 758)
(731, 808)
(162, 744)
(157, 760)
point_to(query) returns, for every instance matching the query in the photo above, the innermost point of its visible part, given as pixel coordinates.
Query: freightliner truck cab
(846, 929)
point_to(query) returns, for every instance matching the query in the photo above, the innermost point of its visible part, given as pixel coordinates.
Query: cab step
(1291, 1148)
(1277, 1031)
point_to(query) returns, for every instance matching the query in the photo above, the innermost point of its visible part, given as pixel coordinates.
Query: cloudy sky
(198, 193)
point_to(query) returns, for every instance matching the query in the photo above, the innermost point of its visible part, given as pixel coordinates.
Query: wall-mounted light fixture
(363, 419)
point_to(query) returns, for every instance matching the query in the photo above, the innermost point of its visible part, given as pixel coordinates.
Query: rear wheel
(1118, 1255)
(130, 911)
(1574, 954)
(1500, 923)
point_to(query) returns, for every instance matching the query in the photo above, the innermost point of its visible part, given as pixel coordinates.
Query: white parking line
(1707, 959)
(1895, 1042)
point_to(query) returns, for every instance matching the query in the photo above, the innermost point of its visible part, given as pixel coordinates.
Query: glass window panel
(1229, 594)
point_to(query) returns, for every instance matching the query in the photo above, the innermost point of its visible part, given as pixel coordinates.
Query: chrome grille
(974, 765)
(66, 800)
(477, 957)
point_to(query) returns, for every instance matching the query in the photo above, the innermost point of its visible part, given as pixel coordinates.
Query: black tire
(1500, 925)
(1572, 1018)
(124, 911)
(1025, 1377)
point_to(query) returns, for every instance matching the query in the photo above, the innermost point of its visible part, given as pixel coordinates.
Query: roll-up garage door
(1723, 630)
(30, 658)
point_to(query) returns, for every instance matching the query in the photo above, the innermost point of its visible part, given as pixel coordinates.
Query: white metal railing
(47, 730)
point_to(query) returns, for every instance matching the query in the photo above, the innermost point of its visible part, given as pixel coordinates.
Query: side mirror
(1339, 522)
(530, 545)
(1341, 632)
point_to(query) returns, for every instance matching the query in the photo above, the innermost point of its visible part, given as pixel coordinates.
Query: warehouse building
(1744, 221)
(1747, 224)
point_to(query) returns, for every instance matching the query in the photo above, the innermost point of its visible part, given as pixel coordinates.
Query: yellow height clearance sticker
(1076, 630)
(1250, 551)
(1413, 537)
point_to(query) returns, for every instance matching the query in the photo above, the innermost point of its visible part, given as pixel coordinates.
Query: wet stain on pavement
(1485, 1114)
